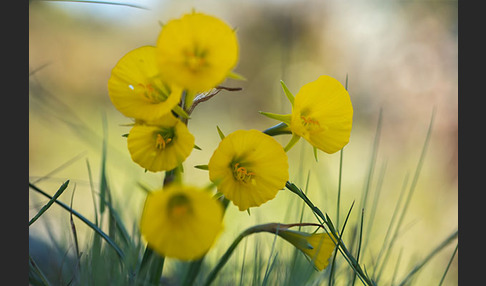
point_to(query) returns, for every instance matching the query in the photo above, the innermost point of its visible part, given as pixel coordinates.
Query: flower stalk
(335, 235)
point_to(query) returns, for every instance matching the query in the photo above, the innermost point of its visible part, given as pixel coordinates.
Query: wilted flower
(249, 167)
(181, 221)
(196, 51)
(318, 247)
(136, 88)
(160, 145)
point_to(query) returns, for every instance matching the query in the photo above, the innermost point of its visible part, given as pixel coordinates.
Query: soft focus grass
(113, 254)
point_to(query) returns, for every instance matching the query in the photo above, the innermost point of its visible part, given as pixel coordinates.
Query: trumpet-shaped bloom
(197, 51)
(181, 222)
(136, 88)
(249, 167)
(160, 145)
(318, 247)
(322, 114)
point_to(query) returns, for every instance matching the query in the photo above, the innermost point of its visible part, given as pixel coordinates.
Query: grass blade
(35, 274)
(73, 229)
(331, 275)
(100, 2)
(421, 264)
(83, 219)
(410, 190)
(448, 265)
(385, 250)
(359, 242)
(51, 201)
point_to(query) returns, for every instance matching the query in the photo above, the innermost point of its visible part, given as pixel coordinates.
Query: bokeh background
(400, 58)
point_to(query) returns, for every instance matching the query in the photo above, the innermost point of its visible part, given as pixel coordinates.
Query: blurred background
(400, 58)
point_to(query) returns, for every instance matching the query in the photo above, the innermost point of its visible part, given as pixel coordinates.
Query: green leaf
(289, 95)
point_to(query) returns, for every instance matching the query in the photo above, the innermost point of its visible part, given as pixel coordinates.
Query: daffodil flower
(197, 51)
(181, 222)
(322, 114)
(249, 168)
(136, 88)
(160, 145)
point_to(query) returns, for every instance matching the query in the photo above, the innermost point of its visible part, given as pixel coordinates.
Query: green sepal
(234, 75)
(180, 112)
(221, 135)
(202, 167)
(289, 95)
(190, 95)
(197, 147)
(285, 118)
(217, 195)
(293, 140)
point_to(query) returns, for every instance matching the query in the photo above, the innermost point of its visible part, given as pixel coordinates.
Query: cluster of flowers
(159, 86)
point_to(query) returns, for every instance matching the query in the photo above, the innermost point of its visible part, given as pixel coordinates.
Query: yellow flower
(181, 222)
(160, 145)
(136, 88)
(249, 167)
(322, 114)
(197, 51)
(318, 247)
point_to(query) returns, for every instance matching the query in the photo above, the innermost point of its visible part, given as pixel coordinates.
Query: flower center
(309, 122)
(163, 138)
(195, 60)
(179, 206)
(153, 92)
(242, 174)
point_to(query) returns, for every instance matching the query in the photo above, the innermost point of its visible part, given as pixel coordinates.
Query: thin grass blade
(85, 220)
(421, 264)
(51, 201)
(448, 265)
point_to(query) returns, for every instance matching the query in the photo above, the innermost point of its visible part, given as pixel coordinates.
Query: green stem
(270, 227)
(281, 128)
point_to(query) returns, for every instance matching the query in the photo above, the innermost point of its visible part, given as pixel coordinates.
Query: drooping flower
(249, 167)
(181, 222)
(323, 114)
(136, 88)
(197, 51)
(160, 145)
(318, 247)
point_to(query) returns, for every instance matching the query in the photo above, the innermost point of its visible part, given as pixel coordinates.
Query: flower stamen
(179, 206)
(160, 142)
(306, 121)
(154, 93)
(242, 174)
(195, 60)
